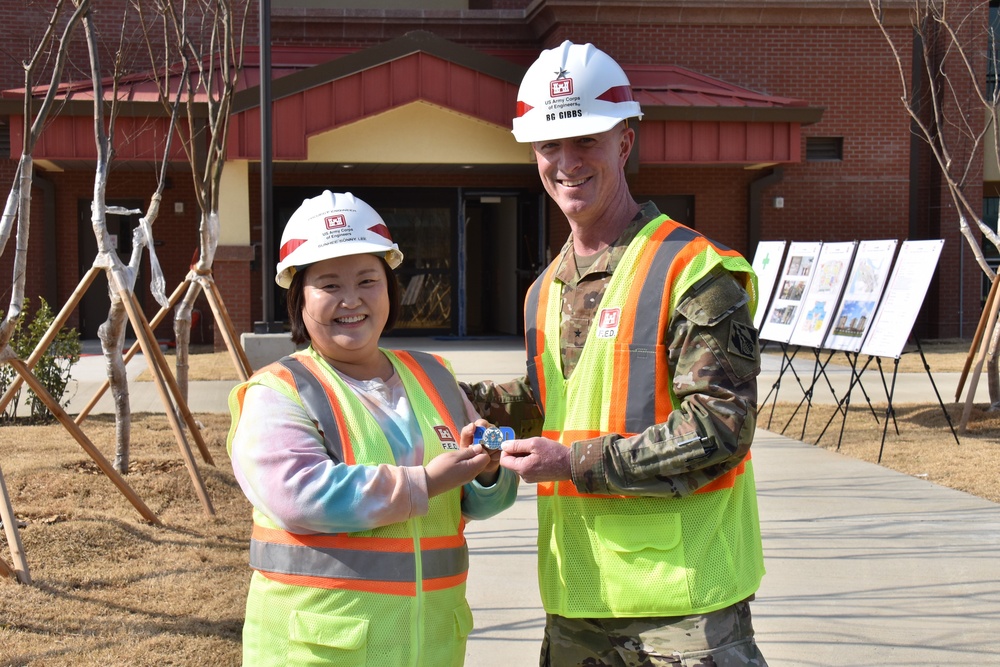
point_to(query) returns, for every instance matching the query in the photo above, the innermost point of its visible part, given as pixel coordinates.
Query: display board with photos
(786, 305)
(766, 264)
(819, 304)
(904, 295)
(854, 318)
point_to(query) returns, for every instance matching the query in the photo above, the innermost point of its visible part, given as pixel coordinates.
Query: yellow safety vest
(394, 595)
(632, 556)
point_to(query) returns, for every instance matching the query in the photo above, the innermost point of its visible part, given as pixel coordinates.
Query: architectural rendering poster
(911, 276)
(786, 304)
(819, 304)
(766, 264)
(861, 296)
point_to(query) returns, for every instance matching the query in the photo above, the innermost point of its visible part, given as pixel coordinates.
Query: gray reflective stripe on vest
(356, 564)
(317, 404)
(445, 384)
(531, 336)
(640, 408)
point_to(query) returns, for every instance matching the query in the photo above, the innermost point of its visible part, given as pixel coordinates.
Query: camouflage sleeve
(714, 359)
(509, 403)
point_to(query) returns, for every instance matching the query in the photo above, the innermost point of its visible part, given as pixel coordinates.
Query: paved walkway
(866, 566)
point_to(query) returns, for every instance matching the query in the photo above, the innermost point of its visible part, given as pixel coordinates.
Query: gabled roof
(666, 92)
(311, 99)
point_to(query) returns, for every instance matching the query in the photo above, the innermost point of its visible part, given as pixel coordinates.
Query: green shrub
(53, 369)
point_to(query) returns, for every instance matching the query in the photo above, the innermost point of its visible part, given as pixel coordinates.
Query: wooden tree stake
(163, 378)
(51, 334)
(978, 337)
(221, 314)
(20, 570)
(64, 419)
(984, 345)
(174, 298)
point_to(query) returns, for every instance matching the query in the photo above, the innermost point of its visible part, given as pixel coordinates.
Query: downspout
(753, 218)
(51, 288)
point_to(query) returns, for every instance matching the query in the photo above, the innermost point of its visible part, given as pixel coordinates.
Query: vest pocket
(642, 567)
(463, 620)
(317, 639)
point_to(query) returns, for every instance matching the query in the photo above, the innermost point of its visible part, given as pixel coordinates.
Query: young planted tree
(18, 208)
(200, 66)
(952, 106)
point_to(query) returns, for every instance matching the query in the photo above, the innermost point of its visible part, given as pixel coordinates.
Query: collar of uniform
(611, 256)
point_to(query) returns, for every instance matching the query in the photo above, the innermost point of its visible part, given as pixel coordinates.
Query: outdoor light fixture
(779, 202)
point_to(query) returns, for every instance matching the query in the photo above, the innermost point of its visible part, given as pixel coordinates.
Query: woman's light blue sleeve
(482, 502)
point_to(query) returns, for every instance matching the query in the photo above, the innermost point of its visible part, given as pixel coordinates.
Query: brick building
(746, 104)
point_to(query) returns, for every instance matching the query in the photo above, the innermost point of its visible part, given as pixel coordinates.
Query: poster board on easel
(823, 294)
(786, 305)
(766, 264)
(854, 318)
(903, 298)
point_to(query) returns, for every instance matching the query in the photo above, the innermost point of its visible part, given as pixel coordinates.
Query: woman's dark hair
(295, 299)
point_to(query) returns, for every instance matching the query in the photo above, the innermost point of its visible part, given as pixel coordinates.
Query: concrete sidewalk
(866, 566)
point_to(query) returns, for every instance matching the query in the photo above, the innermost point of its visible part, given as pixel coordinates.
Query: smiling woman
(350, 454)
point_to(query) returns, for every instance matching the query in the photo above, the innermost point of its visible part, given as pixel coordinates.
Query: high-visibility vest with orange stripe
(396, 592)
(630, 556)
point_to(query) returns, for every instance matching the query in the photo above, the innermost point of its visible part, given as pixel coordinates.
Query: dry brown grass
(919, 441)
(203, 364)
(924, 446)
(111, 589)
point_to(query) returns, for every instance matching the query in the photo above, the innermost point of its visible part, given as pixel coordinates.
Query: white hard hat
(571, 91)
(332, 225)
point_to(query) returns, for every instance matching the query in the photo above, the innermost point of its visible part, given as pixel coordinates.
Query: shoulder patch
(742, 340)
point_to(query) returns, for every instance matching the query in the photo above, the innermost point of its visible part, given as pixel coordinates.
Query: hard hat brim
(528, 132)
(392, 256)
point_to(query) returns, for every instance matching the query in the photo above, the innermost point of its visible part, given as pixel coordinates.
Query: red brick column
(231, 271)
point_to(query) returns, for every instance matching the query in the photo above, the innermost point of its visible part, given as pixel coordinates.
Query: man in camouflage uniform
(713, 359)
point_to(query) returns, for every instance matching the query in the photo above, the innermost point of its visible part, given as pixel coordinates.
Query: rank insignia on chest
(446, 437)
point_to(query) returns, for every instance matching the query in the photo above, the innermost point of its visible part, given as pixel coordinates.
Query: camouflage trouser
(723, 638)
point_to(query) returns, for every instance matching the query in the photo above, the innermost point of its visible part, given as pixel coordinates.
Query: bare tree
(121, 283)
(953, 106)
(121, 277)
(18, 206)
(204, 45)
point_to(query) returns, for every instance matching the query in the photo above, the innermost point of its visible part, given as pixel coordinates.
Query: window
(824, 149)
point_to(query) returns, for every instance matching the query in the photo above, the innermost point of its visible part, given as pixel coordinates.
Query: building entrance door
(502, 255)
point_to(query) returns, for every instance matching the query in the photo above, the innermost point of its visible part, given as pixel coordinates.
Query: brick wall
(846, 69)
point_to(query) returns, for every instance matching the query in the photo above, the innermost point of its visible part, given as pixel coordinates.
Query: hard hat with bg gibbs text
(332, 225)
(571, 91)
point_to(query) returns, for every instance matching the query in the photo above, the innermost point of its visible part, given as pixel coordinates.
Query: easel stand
(786, 364)
(845, 402)
(890, 410)
(819, 369)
